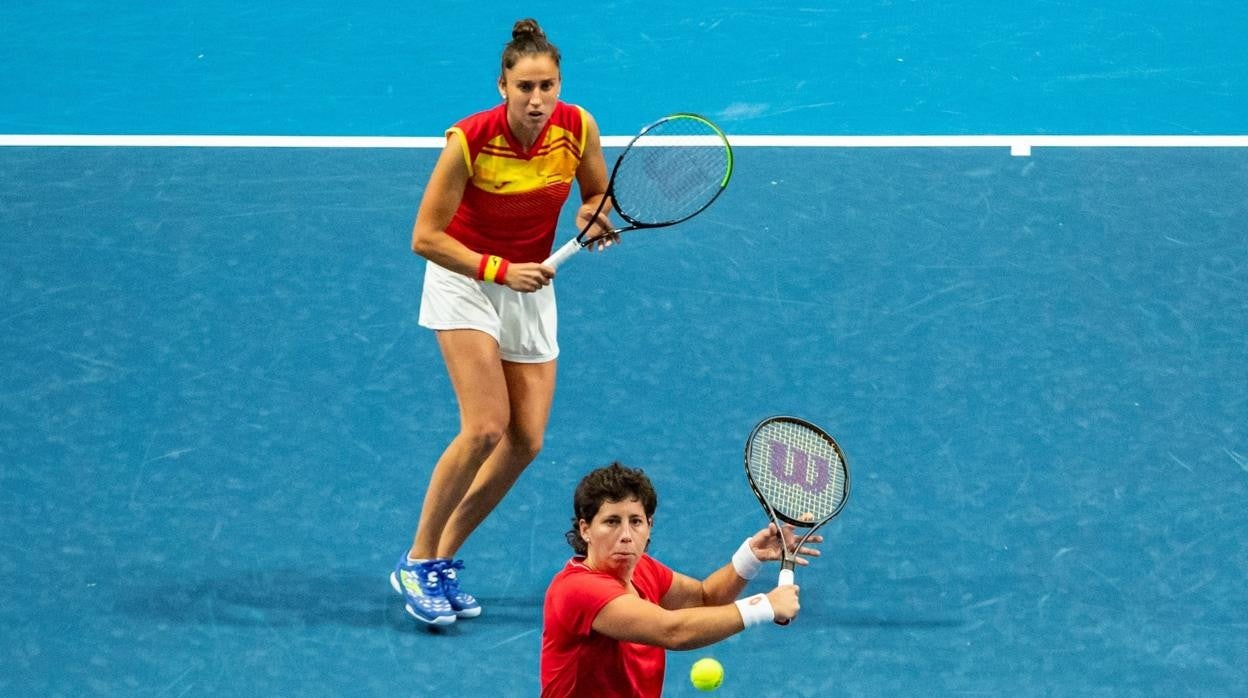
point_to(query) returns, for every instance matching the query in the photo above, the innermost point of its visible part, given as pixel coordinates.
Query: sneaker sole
(438, 620)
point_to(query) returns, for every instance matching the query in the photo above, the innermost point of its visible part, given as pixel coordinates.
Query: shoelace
(450, 580)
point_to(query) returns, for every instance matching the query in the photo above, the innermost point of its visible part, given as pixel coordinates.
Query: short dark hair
(527, 39)
(612, 483)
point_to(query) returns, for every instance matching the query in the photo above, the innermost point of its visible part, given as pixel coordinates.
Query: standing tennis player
(486, 221)
(613, 611)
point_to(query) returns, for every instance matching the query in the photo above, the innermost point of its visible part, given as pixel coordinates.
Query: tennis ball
(706, 674)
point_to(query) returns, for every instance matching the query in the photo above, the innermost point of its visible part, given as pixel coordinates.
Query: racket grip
(786, 577)
(561, 255)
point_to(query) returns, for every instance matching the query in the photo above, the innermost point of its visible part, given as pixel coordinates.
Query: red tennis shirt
(512, 202)
(576, 661)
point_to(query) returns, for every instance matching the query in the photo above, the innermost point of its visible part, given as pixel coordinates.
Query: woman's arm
(591, 179)
(723, 586)
(443, 194)
(442, 197)
(726, 583)
(630, 618)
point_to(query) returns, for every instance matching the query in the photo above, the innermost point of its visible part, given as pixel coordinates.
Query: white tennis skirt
(525, 325)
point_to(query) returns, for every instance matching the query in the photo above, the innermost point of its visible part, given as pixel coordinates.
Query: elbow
(420, 244)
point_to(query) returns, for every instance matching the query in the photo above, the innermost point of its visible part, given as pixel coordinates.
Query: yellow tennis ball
(706, 674)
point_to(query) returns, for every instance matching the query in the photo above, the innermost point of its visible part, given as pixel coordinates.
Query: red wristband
(485, 259)
(500, 277)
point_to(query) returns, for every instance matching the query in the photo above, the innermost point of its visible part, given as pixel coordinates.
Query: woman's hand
(597, 227)
(769, 543)
(528, 277)
(784, 602)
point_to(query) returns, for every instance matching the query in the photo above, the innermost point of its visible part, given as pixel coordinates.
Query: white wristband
(745, 562)
(755, 609)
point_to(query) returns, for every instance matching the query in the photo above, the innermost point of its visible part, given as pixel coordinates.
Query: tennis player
(486, 221)
(613, 611)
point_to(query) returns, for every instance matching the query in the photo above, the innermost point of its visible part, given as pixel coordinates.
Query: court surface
(217, 414)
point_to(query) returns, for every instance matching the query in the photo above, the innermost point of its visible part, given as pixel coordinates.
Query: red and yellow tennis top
(512, 202)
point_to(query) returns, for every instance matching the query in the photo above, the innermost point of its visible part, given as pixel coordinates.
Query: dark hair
(613, 483)
(527, 39)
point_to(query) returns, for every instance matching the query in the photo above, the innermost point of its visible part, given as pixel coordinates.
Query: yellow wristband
(491, 268)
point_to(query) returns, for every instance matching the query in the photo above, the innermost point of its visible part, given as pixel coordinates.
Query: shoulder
(489, 115)
(651, 571)
(573, 569)
(652, 565)
(483, 123)
(572, 117)
(576, 574)
(577, 593)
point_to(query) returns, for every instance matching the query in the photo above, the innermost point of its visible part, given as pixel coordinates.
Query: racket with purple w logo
(799, 475)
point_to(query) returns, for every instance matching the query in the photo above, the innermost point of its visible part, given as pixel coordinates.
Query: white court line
(75, 140)
(1017, 144)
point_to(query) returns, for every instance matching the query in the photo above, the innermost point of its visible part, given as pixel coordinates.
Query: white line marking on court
(165, 141)
(513, 638)
(1239, 460)
(1178, 460)
(1020, 142)
(1019, 145)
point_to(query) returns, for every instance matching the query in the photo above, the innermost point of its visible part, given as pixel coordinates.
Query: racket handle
(561, 255)
(786, 577)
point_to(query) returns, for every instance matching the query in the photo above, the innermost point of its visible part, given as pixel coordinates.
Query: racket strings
(672, 171)
(801, 475)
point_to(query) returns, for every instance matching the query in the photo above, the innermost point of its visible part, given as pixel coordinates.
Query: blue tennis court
(218, 414)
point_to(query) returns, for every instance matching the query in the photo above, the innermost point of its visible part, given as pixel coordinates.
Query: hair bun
(526, 28)
(527, 39)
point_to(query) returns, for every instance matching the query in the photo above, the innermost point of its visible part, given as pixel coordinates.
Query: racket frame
(580, 242)
(787, 558)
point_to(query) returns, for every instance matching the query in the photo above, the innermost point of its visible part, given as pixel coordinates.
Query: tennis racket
(670, 172)
(799, 475)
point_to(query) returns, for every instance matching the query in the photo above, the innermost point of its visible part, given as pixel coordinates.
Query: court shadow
(883, 621)
(511, 610)
(283, 597)
(292, 597)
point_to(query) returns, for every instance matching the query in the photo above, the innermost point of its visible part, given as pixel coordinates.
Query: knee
(526, 446)
(483, 438)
